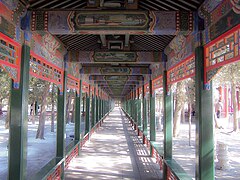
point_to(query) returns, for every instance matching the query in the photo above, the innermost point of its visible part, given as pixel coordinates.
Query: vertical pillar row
(87, 123)
(152, 113)
(97, 108)
(144, 112)
(78, 104)
(93, 110)
(204, 122)
(135, 107)
(168, 119)
(139, 108)
(17, 150)
(61, 119)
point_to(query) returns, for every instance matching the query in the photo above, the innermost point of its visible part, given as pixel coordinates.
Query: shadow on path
(114, 152)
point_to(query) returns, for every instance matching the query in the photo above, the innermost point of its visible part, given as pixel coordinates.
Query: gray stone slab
(115, 152)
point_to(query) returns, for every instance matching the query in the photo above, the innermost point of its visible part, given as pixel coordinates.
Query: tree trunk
(235, 108)
(190, 122)
(73, 109)
(183, 115)
(53, 112)
(215, 120)
(179, 104)
(177, 119)
(41, 125)
(32, 114)
(8, 115)
(1, 104)
(68, 107)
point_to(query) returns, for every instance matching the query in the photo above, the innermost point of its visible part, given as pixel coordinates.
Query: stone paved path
(114, 152)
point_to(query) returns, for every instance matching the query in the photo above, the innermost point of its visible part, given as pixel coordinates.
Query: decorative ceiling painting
(117, 48)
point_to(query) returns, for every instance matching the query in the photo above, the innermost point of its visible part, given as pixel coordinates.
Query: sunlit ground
(182, 152)
(3, 148)
(185, 154)
(115, 152)
(37, 153)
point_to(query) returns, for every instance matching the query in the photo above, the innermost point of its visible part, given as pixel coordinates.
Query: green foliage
(36, 90)
(5, 85)
(184, 91)
(227, 75)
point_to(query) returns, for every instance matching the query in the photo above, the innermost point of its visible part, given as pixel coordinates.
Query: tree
(229, 75)
(184, 92)
(179, 96)
(53, 97)
(190, 98)
(42, 117)
(70, 106)
(39, 91)
(5, 87)
(5, 94)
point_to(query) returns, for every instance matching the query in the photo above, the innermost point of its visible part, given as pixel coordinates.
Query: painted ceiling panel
(86, 45)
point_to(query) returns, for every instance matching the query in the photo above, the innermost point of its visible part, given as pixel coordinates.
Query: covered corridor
(114, 152)
(66, 64)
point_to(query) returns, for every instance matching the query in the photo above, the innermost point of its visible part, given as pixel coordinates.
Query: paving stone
(115, 152)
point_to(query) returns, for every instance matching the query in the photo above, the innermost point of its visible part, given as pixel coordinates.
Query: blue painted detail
(16, 85)
(150, 71)
(207, 86)
(65, 65)
(61, 93)
(164, 65)
(196, 18)
(81, 71)
(25, 21)
(164, 57)
(18, 34)
(205, 34)
(66, 57)
(27, 35)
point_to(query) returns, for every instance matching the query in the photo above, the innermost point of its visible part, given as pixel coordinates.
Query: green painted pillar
(131, 107)
(109, 105)
(152, 113)
(106, 111)
(168, 122)
(125, 105)
(104, 107)
(103, 110)
(101, 114)
(139, 112)
(87, 122)
(135, 107)
(78, 103)
(97, 108)
(93, 122)
(144, 112)
(17, 150)
(204, 123)
(100, 105)
(61, 119)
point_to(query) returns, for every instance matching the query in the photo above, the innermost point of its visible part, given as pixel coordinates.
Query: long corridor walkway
(114, 152)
